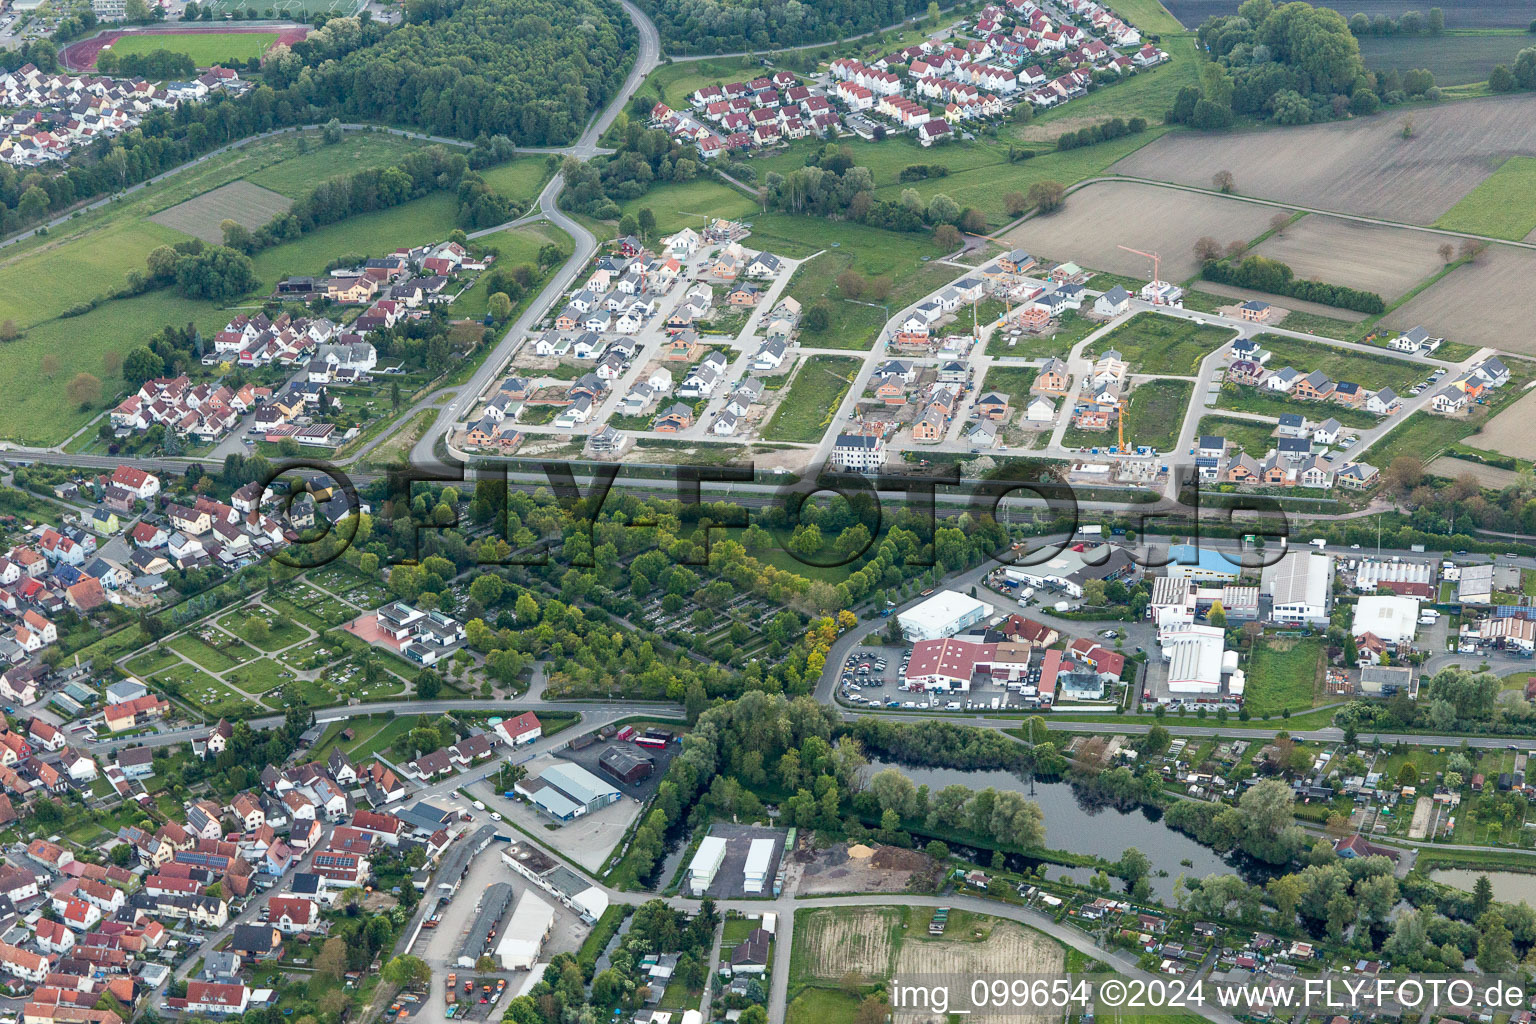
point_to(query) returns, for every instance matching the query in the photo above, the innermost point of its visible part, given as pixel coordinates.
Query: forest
(710, 26)
(532, 70)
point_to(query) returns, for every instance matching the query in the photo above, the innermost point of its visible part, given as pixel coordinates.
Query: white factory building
(759, 862)
(705, 864)
(1197, 661)
(944, 614)
(1298, 586)
(1392, 619)
(527, 929)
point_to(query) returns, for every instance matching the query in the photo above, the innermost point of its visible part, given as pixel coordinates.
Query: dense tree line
(1268, 275)
(947, 745)
(711, 26)
(157, 65)
(1502, 79)
(1410, 23)
(1104, 131)
(1291, 63)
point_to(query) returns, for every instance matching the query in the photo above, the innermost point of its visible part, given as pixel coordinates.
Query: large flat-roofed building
(1067, 570)
(1407, 578)
(1298, 587)
(944, 614)
(1204, 565)
(1392, 619)
(705, 864)
(1386, 680)
(1194, 657)
(567, 791)
(950, 663)
(759, 863)
(523, 940)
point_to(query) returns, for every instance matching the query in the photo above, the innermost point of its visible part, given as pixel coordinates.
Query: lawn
(1503, 206)
(1162, 344)
(214, 659)
(427, 219)
(1147, 94)
(813, 399)
(205, 48)
(514, 247)
(1156, 413)
(259, 676)
(1014, 381)
(822, 1006)
(151, 661)
(518, 179)
(1272, 403)
(673, 83)
(1374, 372)
(692, 204)
(1284, 673)
(280, 631)
(1253, 438)
(1071, 328)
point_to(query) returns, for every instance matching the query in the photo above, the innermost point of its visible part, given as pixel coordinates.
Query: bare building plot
(1024, 951)
(1362, 166)
(250, 206)
(1101, 217)
(1387, 261)
(1486, 302)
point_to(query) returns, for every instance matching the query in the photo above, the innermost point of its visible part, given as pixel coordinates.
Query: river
(1076, 825)
(1508, 886)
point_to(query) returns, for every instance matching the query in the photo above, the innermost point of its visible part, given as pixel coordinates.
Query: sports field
(248, 205)
(205, 48)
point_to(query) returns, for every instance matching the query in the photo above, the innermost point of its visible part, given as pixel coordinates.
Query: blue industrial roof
(1207, 560)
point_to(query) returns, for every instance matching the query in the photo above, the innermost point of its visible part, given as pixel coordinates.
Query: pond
(1508, 886)
(1081, 826)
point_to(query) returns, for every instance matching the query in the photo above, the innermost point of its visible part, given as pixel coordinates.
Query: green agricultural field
(1503, 206)
(33, 406)
(1252, 437)
(986, 185)
(1155, 413)
(813, 398)
(76, 272)
(427, 219)
(248, 205)
(205, 48)
(895, 259)
(299, 173)
(1149, 16)
(1284, 673)
(1162, 344)
(1369, 371)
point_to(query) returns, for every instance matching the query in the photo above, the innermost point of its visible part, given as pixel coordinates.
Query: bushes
(921, 172)
(1114, 128)
(1267, 275)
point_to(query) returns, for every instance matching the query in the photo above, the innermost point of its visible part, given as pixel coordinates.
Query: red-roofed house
(292, 915)
(208, 997)
(515, 732)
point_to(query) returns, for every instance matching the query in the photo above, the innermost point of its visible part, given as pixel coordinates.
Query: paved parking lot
(730, 879)
(587, 840)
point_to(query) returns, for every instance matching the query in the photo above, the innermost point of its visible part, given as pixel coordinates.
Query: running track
(81, 56)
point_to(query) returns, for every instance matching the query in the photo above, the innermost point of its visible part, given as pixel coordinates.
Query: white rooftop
(1393, 619)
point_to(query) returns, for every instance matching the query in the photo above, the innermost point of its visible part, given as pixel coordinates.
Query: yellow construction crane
(1157, 293)
(1120, 408)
